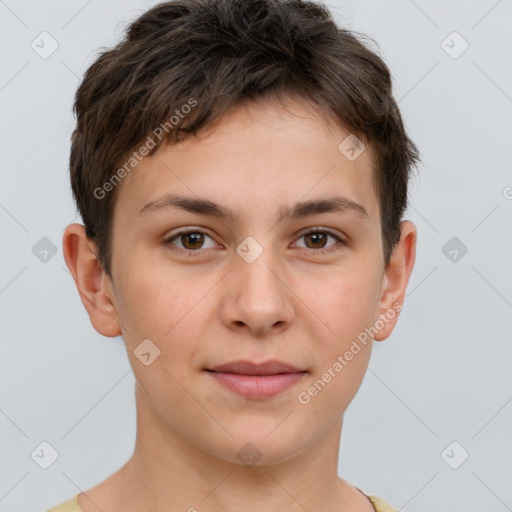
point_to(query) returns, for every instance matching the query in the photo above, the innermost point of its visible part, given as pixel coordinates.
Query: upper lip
(248, 368)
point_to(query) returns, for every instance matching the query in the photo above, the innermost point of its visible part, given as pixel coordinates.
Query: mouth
(257, 380)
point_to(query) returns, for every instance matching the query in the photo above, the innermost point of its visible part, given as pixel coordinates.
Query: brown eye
(190, 242)
(317, 239)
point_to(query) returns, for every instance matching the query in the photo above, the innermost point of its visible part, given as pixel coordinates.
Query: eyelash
(168, 241)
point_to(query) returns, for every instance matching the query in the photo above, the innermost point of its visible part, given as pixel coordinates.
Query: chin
(261, 445)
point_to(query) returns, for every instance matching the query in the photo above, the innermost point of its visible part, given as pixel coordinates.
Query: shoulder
(380, 505)
(67, 506)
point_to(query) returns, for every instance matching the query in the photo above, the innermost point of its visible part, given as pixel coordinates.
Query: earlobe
(395, 280)
(81, 260)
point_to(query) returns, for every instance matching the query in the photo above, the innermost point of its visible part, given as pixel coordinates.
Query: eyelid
(321, 229)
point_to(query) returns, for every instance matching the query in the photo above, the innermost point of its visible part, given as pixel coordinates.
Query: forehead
(256, 155)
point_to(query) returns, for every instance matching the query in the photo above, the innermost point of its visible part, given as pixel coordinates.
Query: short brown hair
(221, 53)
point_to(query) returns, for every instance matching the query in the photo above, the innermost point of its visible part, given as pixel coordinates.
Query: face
(253, 276)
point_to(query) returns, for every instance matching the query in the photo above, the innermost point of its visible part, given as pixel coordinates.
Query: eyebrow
(202, 206)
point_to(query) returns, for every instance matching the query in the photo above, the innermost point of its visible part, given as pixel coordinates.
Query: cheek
(154, 302)
(344, 300)
(347, 305)
(157, 310)
(170, 312)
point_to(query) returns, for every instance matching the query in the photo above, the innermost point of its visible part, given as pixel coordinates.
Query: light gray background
(445, 373)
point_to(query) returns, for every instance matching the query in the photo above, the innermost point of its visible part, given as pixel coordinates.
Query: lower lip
(257, 386)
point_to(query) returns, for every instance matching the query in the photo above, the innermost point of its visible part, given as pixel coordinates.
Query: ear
(395, 280)
(94, 286)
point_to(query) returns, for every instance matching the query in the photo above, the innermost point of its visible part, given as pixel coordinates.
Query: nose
(256, 297)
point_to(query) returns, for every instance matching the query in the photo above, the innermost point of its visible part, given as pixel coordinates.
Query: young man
(241, 169)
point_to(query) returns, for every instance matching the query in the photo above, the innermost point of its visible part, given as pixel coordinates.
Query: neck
(167, 472)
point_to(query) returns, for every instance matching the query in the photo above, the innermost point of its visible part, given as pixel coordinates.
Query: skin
(292, 303)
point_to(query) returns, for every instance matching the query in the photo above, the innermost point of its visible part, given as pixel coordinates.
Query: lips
(272, 367)
(256, 381)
